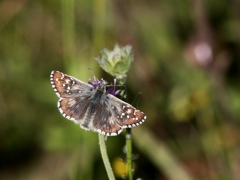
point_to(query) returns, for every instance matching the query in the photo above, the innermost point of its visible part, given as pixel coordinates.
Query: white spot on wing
(129, 111)
(61, 111)
(73, 119)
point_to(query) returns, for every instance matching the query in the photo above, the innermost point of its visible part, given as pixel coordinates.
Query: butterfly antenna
(91, 71)
(93, 74)
(115, 82)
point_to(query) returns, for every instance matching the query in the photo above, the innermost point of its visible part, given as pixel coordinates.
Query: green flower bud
(116, 62)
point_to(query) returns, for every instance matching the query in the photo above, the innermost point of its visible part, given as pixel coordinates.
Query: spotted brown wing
(75, 96)
(123, 113)
(74, 108)
(115, 114)
(104, 122)
(66, 86)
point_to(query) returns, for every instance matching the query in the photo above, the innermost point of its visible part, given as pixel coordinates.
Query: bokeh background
(186, 64)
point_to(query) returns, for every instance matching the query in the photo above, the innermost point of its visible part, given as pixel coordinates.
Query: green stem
(160, 155)
(128, 143)
(129, 153)
(105, 157)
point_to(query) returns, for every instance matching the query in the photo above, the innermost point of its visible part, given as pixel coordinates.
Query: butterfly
(93, 106)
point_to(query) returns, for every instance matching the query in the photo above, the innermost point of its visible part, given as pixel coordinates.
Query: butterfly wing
(74, 108)
(66, 86)
(75, 96)
(104, 122)
(115, 114)
(123, 113)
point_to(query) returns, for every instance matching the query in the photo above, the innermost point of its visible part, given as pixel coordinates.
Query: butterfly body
(92, 106)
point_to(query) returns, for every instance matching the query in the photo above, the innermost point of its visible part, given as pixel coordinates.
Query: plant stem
(160, 155)
(128, 142)
(105, 157)
(129, 153)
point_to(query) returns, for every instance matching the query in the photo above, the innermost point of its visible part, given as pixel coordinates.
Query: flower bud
(116, 62)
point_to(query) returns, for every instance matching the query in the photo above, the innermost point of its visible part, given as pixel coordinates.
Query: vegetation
(186, 64)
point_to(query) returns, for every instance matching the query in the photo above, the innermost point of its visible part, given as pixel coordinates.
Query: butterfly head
(96, 83)
(103, 86)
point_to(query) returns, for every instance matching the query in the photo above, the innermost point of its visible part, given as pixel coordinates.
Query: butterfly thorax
(102, 87)
(97, 100)
(99, 96)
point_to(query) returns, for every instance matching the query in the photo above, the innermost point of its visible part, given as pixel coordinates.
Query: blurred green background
(186, 65)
